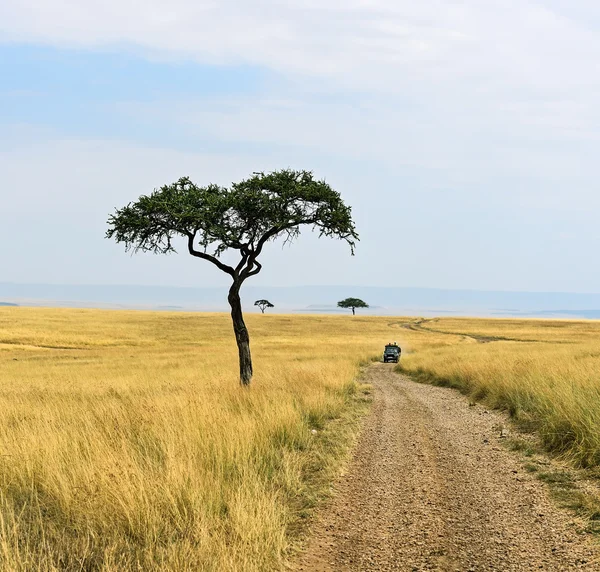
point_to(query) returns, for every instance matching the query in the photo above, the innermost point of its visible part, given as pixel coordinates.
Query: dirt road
(431, 487)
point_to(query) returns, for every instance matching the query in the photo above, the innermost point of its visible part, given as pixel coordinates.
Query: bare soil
(431, 487)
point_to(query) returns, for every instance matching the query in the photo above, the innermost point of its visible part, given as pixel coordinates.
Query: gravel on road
(430, 487)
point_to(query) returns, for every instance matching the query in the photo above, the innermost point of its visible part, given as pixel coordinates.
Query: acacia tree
(244, 218)
(352, 303)
(262, 304)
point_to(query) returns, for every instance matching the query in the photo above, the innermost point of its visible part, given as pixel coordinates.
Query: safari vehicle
(391, 353)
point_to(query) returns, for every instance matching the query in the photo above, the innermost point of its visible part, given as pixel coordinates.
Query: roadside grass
(549, 383)
(126, 442)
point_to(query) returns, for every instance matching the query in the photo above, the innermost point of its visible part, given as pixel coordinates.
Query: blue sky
(90, 93)
(464, 135)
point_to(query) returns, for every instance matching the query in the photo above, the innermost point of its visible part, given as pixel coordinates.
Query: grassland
(126, 442)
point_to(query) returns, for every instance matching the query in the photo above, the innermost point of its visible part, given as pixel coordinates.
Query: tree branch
(210, 258)
(276, 230)
(253, 268)
(241, 264)
(256, 270)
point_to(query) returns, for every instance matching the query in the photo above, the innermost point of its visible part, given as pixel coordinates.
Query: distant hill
(587, 314)
(8, 304)
(302, 299)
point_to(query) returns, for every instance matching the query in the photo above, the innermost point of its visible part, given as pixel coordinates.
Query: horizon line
(120, 285)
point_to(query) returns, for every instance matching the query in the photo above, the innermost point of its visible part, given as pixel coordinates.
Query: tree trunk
(262, 310)
(353, 312)
(241, 334)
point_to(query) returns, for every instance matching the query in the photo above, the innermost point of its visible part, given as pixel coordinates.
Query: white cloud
(525, 65)
(393, 41)
(546, 147)
(481, 114)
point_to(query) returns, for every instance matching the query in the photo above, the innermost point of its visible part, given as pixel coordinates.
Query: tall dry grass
(126, 442)
(546, 373)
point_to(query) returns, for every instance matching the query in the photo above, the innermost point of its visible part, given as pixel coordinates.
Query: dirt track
(430, 487)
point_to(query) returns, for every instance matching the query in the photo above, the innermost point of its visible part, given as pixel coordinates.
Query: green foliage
(352, 303)
(262, 304)
(243, 217)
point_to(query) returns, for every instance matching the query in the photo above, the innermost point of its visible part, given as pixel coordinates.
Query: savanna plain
(126, 442)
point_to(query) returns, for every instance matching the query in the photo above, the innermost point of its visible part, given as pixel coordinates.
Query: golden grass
(126, 442)
(546, 373)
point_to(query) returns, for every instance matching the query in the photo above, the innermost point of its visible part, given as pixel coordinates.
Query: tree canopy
(352, 303)
(263, 304)
(245, 216)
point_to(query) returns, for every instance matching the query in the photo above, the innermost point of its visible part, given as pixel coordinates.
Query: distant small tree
(243, 218)
(352, 303)
(262, 304)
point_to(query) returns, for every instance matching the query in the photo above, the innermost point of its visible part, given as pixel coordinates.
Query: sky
(464, 134)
